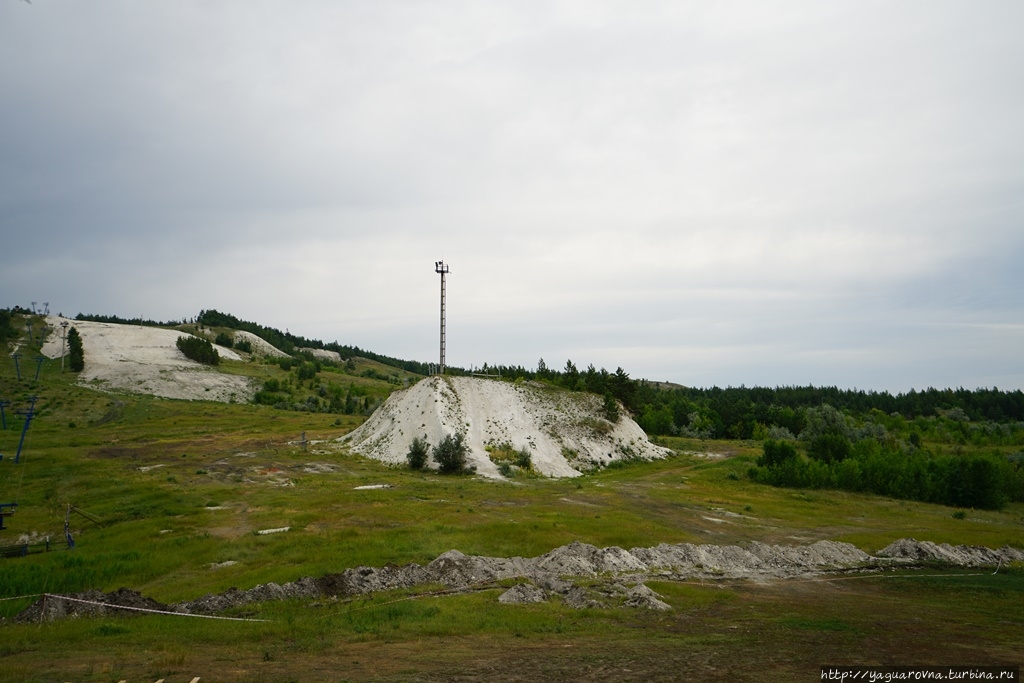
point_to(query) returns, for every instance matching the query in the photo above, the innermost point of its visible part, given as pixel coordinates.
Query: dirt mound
(583, 559)
(551, 575)
(642, 597)
(523, 594)
(960, 555)
(146, 360)
(305, 587)
(564, 432)
(89, 603)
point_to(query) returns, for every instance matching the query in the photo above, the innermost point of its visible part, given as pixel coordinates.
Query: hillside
(332, 562)
(566, 433)
(145, 360)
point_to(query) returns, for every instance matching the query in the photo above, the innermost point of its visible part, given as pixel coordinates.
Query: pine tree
(76, 354)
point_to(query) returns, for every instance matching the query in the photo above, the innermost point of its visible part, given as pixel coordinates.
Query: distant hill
(292, 343)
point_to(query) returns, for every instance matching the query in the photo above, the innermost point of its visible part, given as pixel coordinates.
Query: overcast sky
(710, 193)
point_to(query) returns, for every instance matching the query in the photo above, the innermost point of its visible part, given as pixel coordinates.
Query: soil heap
(566, 433)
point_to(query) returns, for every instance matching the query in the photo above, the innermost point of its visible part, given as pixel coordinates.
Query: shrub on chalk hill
(450, 454)
(199, 350)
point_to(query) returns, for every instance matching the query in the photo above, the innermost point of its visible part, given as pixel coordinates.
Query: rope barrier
(145, 609)
(490, 586)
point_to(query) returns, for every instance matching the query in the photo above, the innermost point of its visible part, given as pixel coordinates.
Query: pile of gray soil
(615, 576)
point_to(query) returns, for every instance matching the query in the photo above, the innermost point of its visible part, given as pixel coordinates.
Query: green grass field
(182, 487)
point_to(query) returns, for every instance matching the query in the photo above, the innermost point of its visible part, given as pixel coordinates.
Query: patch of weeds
(112, 630)
(510, 460)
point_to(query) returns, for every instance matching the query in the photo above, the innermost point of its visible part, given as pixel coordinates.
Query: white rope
(151, 611)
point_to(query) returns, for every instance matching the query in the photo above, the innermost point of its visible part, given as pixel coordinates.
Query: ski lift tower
(63, 340)
(440, 267)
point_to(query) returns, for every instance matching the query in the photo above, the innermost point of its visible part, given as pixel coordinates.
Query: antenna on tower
(440, 267)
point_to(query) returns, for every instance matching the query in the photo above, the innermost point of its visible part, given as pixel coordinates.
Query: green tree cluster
(983, 481)
(128, 321)
(418, 453)
(199, 350)
(7, 330)
(288, 342)
(450, 454)
(745, 412)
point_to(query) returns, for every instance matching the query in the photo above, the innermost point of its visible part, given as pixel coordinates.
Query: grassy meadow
(181, 488)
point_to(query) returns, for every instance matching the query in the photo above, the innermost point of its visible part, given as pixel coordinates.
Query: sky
(707, 193)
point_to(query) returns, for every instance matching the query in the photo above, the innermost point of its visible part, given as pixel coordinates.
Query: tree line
(721, 413)
(144, 322)
(745, 413)
(290, 343)
(840, 452)
(7, 330)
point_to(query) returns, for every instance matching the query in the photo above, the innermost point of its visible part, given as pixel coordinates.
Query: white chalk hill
(146, 360)
(565, 432)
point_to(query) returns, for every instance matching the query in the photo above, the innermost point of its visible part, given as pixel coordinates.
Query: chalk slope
(146, 360)
(565, 432)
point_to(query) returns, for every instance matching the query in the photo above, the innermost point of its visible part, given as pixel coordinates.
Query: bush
(418, 452)
(308, 370)
(199, 350)
(76, 354)
(450, 454)
(776, 453)
(829, 448)
(225, 340)
(780, 433)
(524, 460)
(244, 345)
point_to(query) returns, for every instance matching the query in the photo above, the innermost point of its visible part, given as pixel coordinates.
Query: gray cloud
(712, 193)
